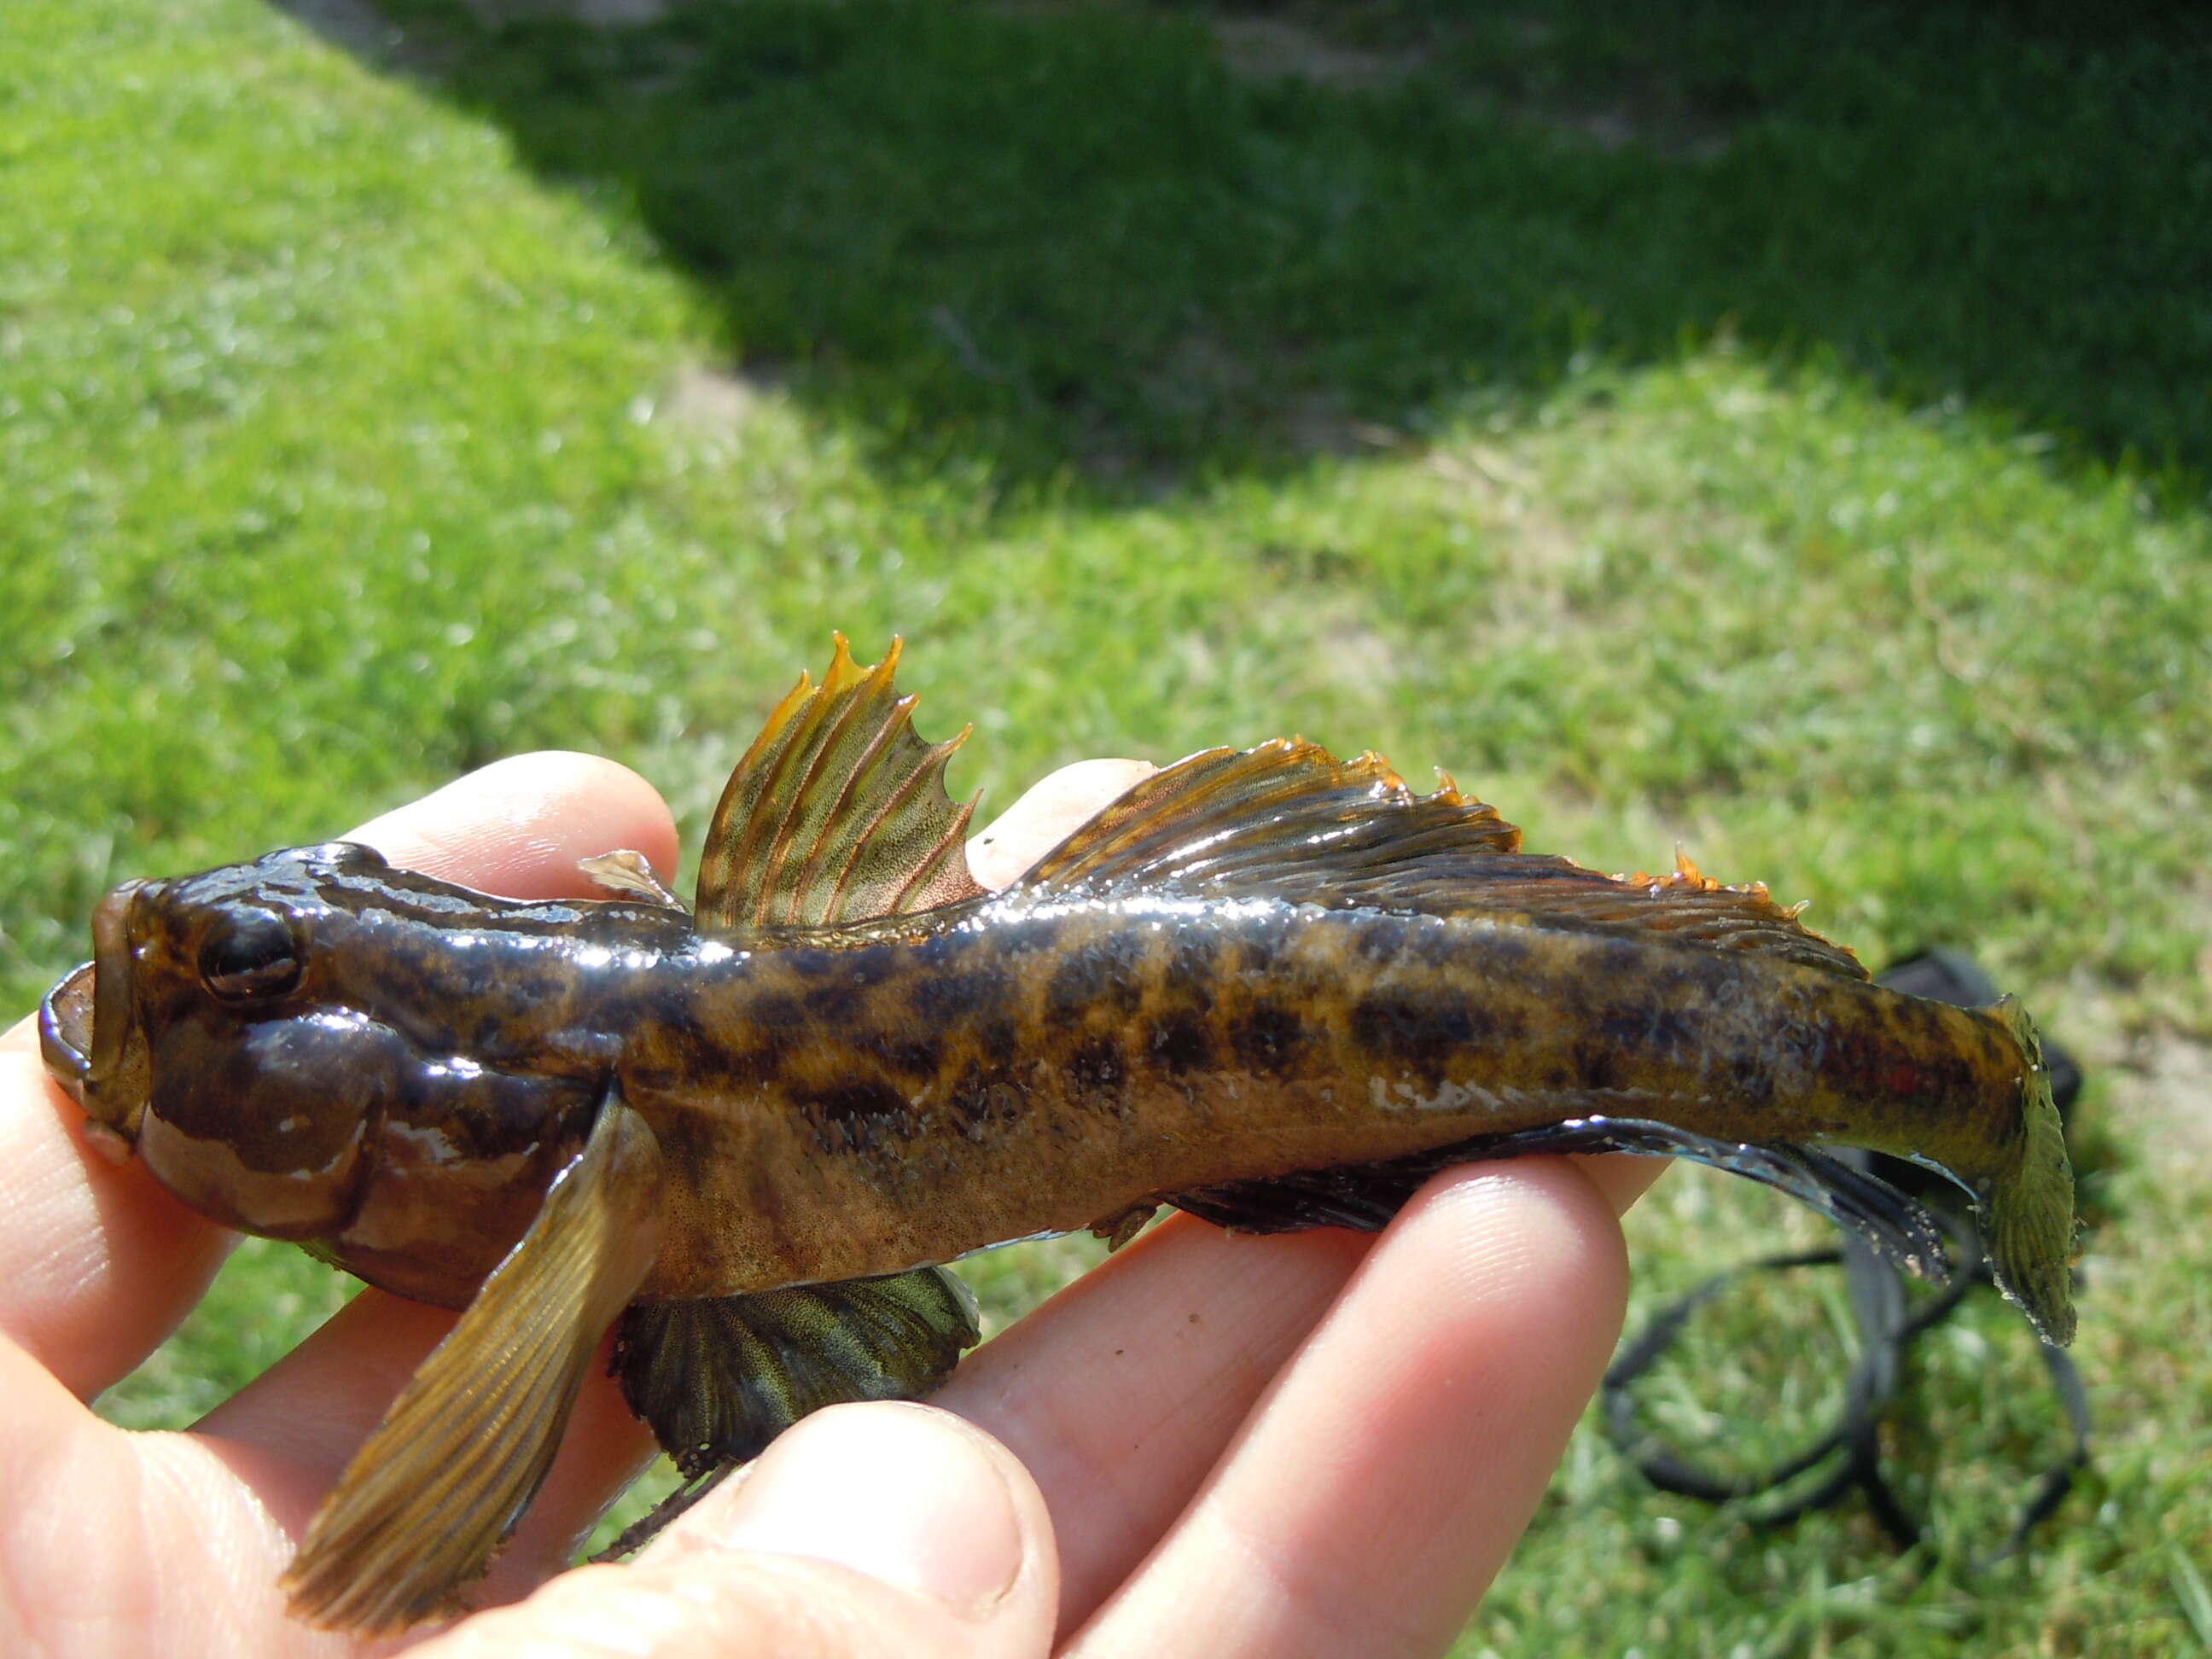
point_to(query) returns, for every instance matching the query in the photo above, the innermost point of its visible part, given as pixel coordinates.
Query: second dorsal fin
(837, 813)
(1260, 819)
(1290, 821)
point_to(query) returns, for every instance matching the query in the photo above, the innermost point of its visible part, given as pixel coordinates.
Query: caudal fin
(2027, 1213)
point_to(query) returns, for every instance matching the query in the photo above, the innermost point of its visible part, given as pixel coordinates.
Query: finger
(867, 1530)
(1051, 810)
(127, 1543)
(1122, 1390)
(101, 1262)
(289, 1434)
(1375, 1491)
(518, 827)
(1120, 1393)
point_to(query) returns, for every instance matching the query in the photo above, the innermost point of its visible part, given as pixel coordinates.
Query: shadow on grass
(1136, 246)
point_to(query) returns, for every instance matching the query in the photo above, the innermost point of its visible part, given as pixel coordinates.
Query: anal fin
(719, 1377)
(426, 1503)
(1365, 1196)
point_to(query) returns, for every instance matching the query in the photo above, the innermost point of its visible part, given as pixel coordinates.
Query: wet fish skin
(840, 1111)
(833, 1112)
(1038, 1068)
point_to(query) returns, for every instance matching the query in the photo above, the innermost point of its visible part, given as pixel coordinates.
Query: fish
(1266, 987)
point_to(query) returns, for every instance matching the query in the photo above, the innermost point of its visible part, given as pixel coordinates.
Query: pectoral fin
(428, 1501)
(719, 1377)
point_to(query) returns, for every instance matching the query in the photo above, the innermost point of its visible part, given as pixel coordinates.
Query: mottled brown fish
(1269, 986)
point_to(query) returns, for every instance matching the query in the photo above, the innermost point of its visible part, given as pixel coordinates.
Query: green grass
(1783, 436)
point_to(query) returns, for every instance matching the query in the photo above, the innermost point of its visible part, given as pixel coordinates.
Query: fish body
(1272, 987)
(1038, 1066)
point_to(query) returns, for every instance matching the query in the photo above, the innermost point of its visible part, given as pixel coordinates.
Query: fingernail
(902, 1493)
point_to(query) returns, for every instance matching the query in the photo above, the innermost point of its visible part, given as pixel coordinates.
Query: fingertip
(908, 1495)
(1047, 813)
(865, 1530)
(1623, 1177)
(1532, 1249)
(518, 826)
(1375, 1490)
(1122, 1393)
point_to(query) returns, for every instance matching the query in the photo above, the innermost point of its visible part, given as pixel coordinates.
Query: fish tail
(2027, 1210)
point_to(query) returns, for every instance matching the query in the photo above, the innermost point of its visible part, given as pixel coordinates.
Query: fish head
(200, 1037)
(283, 1042)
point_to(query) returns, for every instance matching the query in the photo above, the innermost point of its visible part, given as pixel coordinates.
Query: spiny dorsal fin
(1290, 821)
(838, 814)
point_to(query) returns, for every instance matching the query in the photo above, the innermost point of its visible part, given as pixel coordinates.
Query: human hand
(1320, 1443)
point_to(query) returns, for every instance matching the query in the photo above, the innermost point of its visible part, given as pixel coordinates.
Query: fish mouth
(65, 1031)
(88, 1034)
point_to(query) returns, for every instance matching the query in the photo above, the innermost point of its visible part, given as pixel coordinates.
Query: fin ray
(1290, 821)
(1365, 1196)
(838, 814)
(719, 1377)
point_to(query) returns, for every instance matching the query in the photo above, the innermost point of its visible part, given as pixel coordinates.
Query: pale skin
(1320, 1443)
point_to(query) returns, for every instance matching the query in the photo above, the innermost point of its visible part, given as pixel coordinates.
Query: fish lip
(64, 1020)
(87, 1028)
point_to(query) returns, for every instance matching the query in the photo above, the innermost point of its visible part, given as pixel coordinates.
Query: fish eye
(250, 954)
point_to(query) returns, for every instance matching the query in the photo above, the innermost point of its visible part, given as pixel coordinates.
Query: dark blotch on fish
(1108, 975)
(859, 1114)
(1098, 1069)
(1182, 1043)
(1414, 1029)
(1267, 1037)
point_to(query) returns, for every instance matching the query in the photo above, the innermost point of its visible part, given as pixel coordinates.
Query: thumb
(865, 1531)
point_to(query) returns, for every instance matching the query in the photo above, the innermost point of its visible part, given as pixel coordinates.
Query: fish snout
(88, 1034)
(65, 1031)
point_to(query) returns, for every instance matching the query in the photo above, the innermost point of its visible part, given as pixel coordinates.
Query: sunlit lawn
(1784, 438)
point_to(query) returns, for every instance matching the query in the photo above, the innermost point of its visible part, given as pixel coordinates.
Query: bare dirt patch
(2148, 1063)
(717, 401)
(356, 27)
(2161, 1096)
(1271, 49)
(1633, 119)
